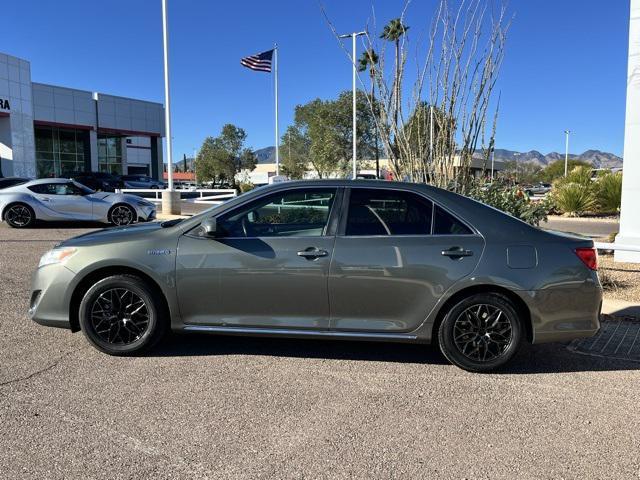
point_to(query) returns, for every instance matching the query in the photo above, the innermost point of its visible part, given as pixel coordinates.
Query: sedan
(333, 259)
(141, 181)
(55, 199)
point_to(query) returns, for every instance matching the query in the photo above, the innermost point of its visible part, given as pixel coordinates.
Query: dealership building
(54, 131)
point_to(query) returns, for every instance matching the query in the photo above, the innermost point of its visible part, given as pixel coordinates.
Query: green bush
(245, 186)
(574, 199)
(609, 192)
(511, 200)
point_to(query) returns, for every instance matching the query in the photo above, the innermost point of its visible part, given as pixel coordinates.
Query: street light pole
(566, 151)
(353, 36)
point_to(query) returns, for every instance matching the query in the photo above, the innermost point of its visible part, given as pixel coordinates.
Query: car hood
(113, 235)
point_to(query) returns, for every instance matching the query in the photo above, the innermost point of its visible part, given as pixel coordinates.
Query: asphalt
(216, 407)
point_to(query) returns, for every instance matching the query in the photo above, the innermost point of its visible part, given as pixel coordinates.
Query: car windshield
(85, 190)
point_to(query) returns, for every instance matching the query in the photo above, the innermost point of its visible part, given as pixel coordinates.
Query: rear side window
(447, 224)
(388, 212)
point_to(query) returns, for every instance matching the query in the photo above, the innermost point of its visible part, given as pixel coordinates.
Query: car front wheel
(481, 332)
(122, 315)
(122, 215)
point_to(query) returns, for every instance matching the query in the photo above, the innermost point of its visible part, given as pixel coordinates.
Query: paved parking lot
(217, 407)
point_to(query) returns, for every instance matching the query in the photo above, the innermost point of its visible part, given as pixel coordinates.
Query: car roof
(40, 181)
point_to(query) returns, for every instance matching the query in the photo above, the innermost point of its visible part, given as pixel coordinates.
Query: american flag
(260, 62)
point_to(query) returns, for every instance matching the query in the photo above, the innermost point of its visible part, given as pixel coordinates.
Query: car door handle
(44, 199)
(312, 253)
(456, 252)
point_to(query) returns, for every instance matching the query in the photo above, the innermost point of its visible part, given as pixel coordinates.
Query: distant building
(53, 131)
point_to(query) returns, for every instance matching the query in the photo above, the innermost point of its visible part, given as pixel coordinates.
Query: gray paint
(390, 288)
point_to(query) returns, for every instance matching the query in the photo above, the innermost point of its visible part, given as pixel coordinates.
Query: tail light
(589, 257)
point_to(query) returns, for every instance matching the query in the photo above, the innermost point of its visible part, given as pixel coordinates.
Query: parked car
(54, 199)
(6, 182)
(186, 186)
(99, 181)
(141, 181)
(334, 259)
(537, 189)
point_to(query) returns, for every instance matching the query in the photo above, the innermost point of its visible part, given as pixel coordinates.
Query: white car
(55, 199)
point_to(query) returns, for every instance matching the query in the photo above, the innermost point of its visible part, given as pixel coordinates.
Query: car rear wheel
(121, 315)
(19, 215)
(122, 215)
(481, 332)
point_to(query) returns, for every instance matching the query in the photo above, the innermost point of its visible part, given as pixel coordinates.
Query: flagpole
(275, 52)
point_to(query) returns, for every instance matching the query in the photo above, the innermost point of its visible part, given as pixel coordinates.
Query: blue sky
(565, 65)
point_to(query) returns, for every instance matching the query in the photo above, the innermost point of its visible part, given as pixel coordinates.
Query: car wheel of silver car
(481, 332)
(121, 315)
(19, 215)
(122, 215)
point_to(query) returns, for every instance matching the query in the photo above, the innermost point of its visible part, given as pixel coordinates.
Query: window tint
(57, 189)
(285, 214)
(447, 224)
(388, 212)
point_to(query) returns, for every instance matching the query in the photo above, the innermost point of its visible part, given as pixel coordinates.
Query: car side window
(388, 212)
(447, 224)
(302, 212)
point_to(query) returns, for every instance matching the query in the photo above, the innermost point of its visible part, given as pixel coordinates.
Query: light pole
(353, 36)
(566, 151)
(170, 198)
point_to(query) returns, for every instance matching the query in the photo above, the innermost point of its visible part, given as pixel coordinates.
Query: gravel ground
(620, 280)
(215, 407)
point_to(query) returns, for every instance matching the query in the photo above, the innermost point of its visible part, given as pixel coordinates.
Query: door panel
(267, 267)
(258, 282)
(393, 283)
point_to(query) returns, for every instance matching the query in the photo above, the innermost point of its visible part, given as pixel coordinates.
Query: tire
(122, 214)
(470, 342)
(121, 315)
(19, 215)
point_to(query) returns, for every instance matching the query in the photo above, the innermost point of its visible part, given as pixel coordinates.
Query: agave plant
(609, 192)
(574, 199)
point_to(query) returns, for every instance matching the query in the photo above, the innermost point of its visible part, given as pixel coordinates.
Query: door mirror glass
(209, 227)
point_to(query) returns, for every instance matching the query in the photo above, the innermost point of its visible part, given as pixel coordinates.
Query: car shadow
(40, 225)
(531, 359)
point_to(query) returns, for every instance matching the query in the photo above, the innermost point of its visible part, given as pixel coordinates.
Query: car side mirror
(210, 227)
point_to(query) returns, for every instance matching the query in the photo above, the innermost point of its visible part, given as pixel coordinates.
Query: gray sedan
(354, 260)
(60, 199)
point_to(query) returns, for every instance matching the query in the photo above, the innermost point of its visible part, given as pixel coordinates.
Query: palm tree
(392, 32)
(369, 61)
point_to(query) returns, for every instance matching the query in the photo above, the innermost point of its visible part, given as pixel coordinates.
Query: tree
(294, 150)
(368, 62)
(392, 32)
(555, 169)
(222, 157)
(184, 162)
(323, 131)
(457, 70)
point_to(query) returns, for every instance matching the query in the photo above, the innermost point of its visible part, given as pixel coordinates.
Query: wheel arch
(517, 302)
(11, 203)
(92, 277)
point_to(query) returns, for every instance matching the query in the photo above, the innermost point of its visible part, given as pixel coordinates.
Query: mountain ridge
(597, 158)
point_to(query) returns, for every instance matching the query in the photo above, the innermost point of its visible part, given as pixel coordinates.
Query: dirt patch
(620, 281)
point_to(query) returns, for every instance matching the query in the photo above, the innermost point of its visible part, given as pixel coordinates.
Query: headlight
(57, 255)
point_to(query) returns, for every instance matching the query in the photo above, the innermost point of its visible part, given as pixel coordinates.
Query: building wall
(17, 149)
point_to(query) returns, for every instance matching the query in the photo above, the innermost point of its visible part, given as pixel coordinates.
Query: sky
(565, 65)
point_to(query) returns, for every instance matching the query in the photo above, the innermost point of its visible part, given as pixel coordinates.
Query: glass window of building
(110, 154)
(59, 151)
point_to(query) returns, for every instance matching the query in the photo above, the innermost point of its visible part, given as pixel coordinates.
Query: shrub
(511, 200)
(609, 192)
(245, 186)
(574, 199)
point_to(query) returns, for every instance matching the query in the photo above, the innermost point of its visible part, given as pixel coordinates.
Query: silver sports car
(55, 199)
(355, 260)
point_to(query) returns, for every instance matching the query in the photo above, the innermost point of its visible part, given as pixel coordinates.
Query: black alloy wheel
(122, 315)
(19, 215)
(481, 332)
(122, 215)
